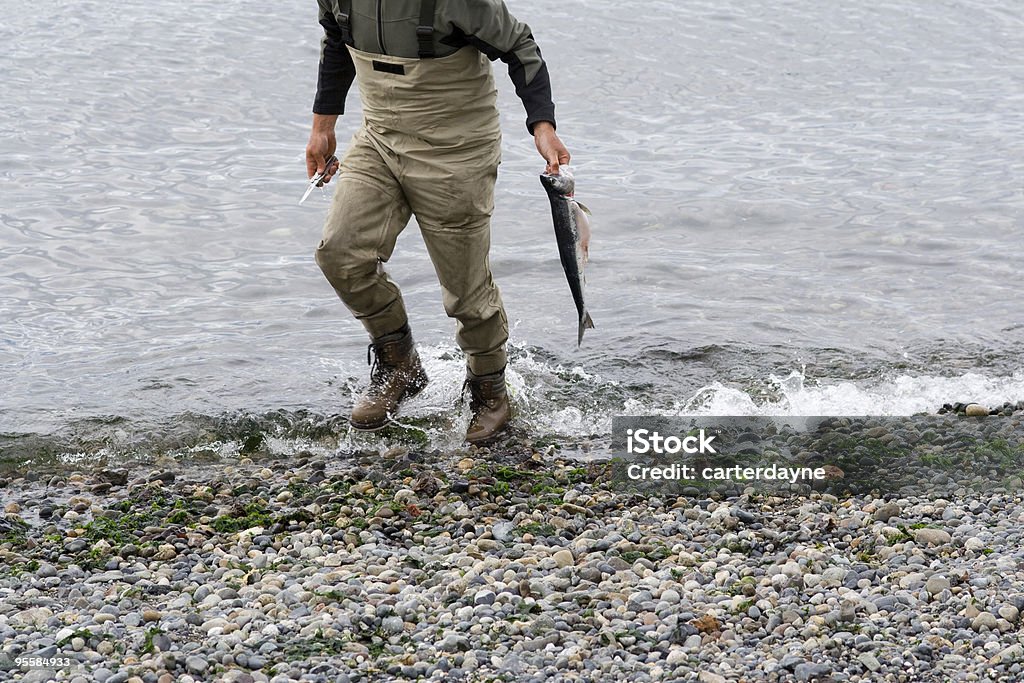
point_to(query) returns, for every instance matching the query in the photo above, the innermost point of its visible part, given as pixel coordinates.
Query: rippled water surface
(799, 207)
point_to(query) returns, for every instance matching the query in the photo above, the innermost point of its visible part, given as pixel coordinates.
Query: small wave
(555, 402)
(896, 395)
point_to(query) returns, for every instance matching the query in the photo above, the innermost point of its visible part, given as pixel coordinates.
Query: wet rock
(708, 677)
(927, 536)
(984, 620)
(1009, 612)
(869, 661)
(790, 662)
(563, 558)
(811, 671)
(885, 512)
(1012, 653)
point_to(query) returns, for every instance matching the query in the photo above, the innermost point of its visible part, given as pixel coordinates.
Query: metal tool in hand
(319, 177)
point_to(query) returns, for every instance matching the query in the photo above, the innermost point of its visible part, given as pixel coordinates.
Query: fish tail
(586, 323)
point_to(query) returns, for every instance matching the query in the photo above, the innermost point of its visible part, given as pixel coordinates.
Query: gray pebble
(196, 664)
(936, 584)
(811, 671)
(40, 676)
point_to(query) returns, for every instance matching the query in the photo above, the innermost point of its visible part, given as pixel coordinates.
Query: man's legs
(367, 214)
(460, 257)
(453, 198)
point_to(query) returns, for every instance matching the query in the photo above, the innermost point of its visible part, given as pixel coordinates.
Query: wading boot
(490, 407)
(396, 374)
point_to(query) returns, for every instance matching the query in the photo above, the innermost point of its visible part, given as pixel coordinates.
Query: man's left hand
(550, 146)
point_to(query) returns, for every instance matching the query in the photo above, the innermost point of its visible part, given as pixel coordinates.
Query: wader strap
(425, 30)
(344, 22)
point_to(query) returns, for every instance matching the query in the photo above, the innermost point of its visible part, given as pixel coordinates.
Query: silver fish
(572, 233)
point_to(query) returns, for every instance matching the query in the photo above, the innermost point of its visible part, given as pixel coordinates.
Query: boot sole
(490, 439)
(496, 436)
(413, 390)
(366, 427)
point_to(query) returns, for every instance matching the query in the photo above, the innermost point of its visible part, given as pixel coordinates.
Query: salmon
(572, 234)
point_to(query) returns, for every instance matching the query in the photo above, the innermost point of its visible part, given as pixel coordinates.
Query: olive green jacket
(389, 27)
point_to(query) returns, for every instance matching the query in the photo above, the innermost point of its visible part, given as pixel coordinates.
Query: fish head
(562, 185)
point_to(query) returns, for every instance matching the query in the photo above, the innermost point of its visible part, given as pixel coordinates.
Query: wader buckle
(425, 37)
(345, 24)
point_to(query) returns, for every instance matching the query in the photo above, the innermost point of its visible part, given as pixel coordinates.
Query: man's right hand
(322, 144)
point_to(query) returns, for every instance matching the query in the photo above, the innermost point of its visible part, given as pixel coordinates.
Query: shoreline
(512, 564)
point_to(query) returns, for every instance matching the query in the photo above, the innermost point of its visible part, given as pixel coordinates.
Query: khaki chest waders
(429, 146)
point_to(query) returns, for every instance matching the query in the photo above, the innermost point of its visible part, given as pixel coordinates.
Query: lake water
(799, 208)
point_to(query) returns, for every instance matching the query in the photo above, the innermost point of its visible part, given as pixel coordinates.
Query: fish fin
(584, 207)
(586, 323)
(583, 225)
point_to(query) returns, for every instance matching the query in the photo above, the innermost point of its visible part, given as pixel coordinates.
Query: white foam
(537, 389)
(897, 395)
(793, 395)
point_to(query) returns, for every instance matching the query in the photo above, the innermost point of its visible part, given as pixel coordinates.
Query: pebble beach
(799, 210)
(509, 564)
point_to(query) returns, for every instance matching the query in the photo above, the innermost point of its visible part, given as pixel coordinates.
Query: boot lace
(378, 370)
(477, 401)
